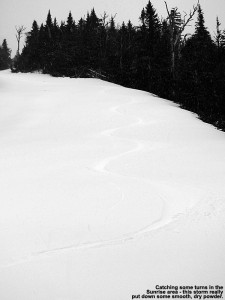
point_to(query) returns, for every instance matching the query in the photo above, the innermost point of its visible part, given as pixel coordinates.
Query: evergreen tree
(67, 57)
(218, 79)
(102, 35)
(31, 54)
(70, 24)
(5, 56)
(112, 50)
(152, 24)
(165, 80)
(126, 36)
(49, 23)
(196, 70)
(94, 21)
(146, 64)
(123, 36)
(47, 46)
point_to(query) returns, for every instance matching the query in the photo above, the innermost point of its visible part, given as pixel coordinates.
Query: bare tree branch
(176, 27)
(20, 30)
(104, 17)
(191, 15)
(167, 9)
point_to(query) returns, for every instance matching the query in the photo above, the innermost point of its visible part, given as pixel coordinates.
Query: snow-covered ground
(105, 191)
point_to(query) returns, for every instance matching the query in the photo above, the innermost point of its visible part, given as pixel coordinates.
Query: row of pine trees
(155, 56)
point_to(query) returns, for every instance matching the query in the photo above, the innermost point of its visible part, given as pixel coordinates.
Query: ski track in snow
(143, 232)
(163, 220)
(101, 167)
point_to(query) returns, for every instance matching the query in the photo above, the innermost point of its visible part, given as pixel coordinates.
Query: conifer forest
(156, 56)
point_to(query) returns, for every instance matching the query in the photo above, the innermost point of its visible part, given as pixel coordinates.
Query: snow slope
(105, 191)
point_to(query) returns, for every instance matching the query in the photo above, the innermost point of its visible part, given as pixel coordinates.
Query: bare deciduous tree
(176, 27)
(20, 30)
(104, 18)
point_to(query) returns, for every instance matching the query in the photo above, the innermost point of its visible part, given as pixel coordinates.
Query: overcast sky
(23, 12)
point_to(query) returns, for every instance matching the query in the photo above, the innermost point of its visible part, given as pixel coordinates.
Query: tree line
(155, 56)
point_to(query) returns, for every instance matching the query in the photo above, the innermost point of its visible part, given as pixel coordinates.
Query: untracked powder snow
(105, 192)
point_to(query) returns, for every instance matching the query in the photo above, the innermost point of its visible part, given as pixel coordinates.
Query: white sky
(23, 12)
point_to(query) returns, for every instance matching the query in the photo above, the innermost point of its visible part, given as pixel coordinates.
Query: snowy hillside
(105, 191)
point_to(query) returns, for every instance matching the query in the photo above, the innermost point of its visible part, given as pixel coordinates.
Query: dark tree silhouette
(5, 56)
